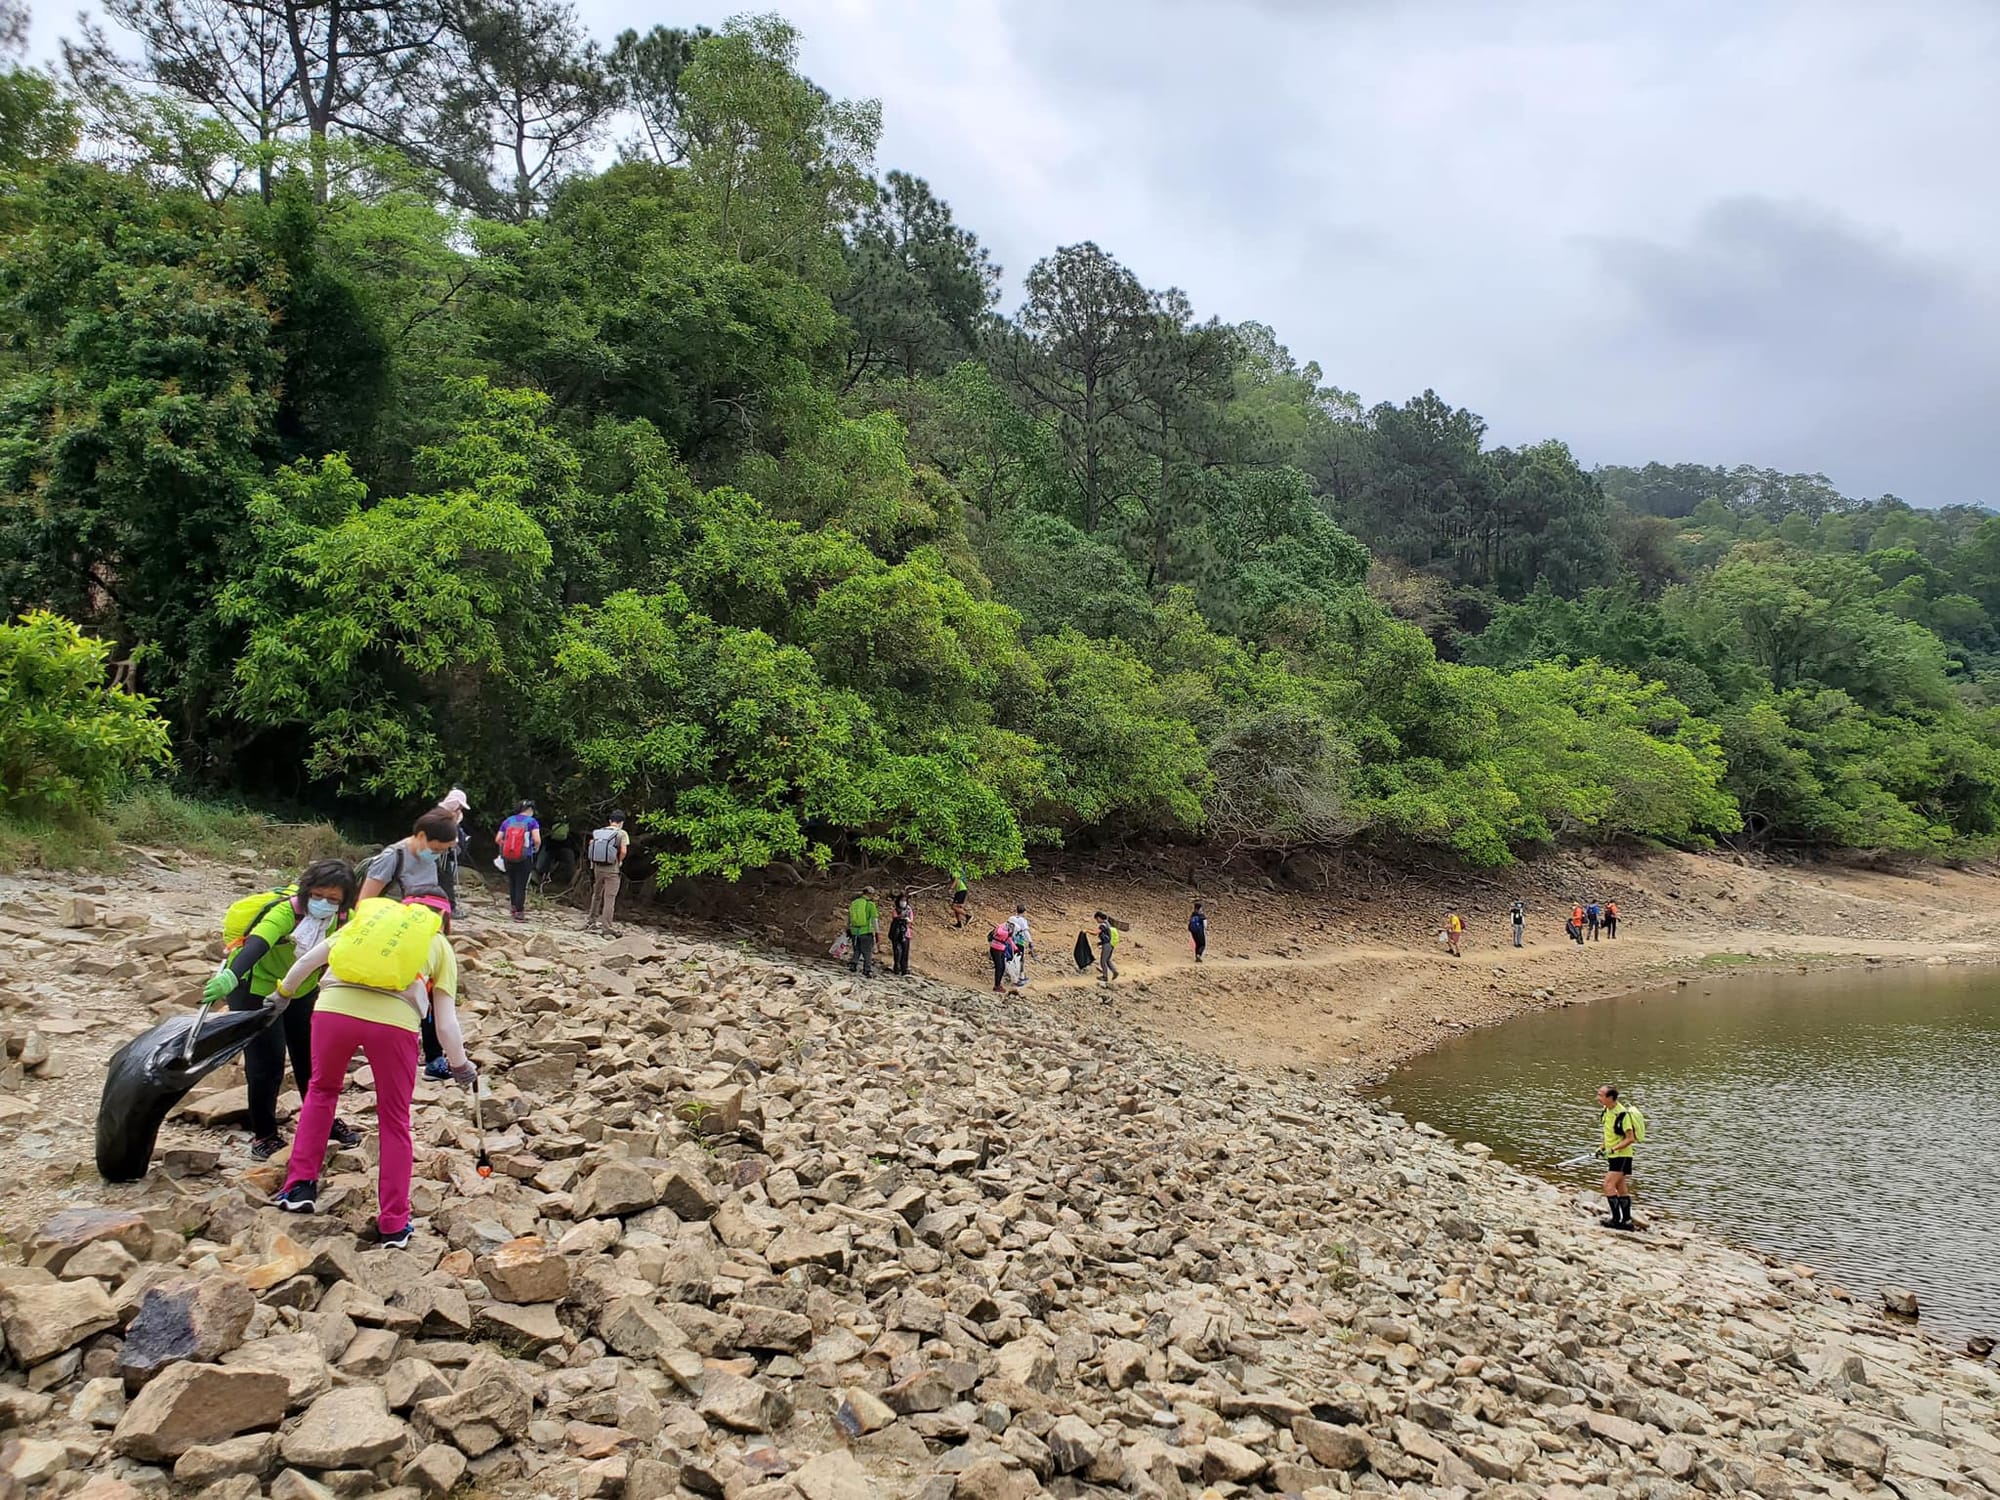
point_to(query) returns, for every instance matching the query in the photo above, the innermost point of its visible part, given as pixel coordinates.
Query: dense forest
(419, 391)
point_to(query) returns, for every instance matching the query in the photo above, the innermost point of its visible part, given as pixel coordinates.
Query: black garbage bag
(150, 1074)
(1084, 956)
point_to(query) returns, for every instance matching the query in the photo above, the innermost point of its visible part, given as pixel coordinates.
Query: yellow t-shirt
(1455, 923)
(440, 970)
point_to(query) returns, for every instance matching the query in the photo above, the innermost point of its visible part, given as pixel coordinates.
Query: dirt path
(1346, 980)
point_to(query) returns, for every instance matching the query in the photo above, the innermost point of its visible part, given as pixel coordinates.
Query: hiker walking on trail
(1624, 1128)
(520, 840)
(263, 933)
(453, 859)
(1000, 948)
(1574, 927)
(1107, 939)
(1520, 915)
(386, 970)
(864, 921)
(412, 865)
(902, 918)
(1611, 919)
(1593, 916)
(1198, 931)
(959, 896)
(607, 850)
(1024, 944)
(1454, 933)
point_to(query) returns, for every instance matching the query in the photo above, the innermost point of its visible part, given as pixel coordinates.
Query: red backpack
(514, 841)
(1001, 938)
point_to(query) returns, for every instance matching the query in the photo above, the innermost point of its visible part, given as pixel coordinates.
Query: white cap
(456, 800)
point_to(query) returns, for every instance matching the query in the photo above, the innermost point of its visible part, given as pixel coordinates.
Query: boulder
(1330, 1446)
(525, 1270)
(834, 1475)
(1851, 1448)
(637, 1329)
(349, 1428)
(254, 1453)
(40, 1321)
(191, 1319)
(686, 1192)
(794, 1248)
(74, 1228)
(435, 1472)
(524, 1330)
(742, 1404)
(188, 1405)
(491, 1403)
(1900, 1300)
(620, 1187)
(860, 1413)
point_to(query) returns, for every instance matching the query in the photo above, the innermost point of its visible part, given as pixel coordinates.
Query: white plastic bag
(500, 864)
(842, 946)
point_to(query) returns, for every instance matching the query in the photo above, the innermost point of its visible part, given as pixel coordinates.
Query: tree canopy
(415, 391)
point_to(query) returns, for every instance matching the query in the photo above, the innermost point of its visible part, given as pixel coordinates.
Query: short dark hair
(1020, 908)
(439, 826)
(1608, 1090)
(1100, 916)
(325, 872)
(525, 806)
(617, 814)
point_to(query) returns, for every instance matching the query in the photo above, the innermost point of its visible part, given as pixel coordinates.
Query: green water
(1847, 1121)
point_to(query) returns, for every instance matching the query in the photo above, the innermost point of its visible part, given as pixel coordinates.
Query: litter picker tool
(485, 1162)
(1577, 1161)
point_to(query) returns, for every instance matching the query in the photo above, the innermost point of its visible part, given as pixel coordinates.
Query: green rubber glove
(221, 985)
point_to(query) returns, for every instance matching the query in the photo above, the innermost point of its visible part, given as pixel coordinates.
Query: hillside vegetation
(397, 430)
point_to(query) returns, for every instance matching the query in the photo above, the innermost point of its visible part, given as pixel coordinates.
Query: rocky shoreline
(757, 1230)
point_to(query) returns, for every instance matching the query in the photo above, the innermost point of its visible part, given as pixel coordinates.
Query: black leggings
(999, 967)
(899, 949)
(518, 871)
(264, 1058)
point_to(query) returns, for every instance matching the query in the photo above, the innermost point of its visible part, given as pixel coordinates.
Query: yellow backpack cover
(386, 946)
(247, 912)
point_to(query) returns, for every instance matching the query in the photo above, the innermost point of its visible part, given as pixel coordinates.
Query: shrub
(69, 741)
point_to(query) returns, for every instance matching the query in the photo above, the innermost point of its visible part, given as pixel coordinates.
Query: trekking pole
(1577, 1161)
(485, 1162)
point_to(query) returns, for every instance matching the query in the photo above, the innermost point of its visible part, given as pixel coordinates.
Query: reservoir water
(1849, 1121)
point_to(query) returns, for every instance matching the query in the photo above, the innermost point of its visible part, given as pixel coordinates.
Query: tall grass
(170, 825)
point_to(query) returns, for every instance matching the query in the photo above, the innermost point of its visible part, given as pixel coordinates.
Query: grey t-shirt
(416, 877)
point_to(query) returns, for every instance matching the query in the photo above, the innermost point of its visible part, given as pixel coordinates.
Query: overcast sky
(1722, 231)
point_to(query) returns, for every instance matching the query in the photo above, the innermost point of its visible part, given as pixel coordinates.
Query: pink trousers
(393, 1054)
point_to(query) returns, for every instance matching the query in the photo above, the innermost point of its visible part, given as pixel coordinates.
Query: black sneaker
(399, 1240)
(264, 1147)
(344, 1134)
(299, 1198)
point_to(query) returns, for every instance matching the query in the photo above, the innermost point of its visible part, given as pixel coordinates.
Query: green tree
(918, 285)
(1078, 336)
(69, 740)
(148, 382)
(776, 165)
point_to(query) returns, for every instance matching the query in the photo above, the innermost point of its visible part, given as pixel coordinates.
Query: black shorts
(1618, 1164)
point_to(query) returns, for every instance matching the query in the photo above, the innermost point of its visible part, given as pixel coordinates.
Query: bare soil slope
(1342, 972)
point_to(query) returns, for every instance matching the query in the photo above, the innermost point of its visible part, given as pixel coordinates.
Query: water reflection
(1848, 1121)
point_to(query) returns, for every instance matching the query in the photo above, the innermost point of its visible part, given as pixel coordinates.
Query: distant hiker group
(1010, 941)
(1592, 920)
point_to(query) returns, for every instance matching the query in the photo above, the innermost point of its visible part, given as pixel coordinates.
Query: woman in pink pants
(384, 1024)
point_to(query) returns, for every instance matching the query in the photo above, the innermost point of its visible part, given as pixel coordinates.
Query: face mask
(319, 906)
(428, 856)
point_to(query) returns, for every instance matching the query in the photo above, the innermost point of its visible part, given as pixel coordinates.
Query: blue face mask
(428, 856)
(319, 906)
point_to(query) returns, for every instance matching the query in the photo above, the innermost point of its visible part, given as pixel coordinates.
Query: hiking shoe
(299, 1198)
(438, 1068)
(344, 1134)
(264, 1147)
(393, 1240)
